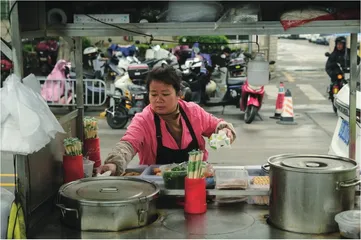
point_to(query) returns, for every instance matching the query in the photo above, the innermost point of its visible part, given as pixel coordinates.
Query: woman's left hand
(228, 133)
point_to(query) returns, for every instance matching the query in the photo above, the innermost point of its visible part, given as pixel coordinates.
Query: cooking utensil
(108, 203)
(307, 191)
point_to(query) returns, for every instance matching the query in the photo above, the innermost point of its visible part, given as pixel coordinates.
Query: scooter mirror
(272, 62)
(137, 42)
(327, 54)
(247, 55)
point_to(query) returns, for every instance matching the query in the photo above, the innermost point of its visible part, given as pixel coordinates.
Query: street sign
(107, 18)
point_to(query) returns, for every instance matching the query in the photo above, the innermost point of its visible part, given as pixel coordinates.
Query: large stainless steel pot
(307, 191)
(107, 203)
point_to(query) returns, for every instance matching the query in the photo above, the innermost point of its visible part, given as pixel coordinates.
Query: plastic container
(231, 177)
(148, 174)
(195, 196)
(88, 168)
(174, 179)
(92, 150)
(258, 71)
(129, 172)
(73, 168)
(263, 185)
(349, 223)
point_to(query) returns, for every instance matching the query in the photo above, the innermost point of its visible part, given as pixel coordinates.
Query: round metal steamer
(108, 203)
(307, 191)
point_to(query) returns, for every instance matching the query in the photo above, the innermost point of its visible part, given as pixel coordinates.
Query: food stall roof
(198, 29)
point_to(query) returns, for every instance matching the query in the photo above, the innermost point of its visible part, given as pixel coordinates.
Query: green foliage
(86, 42)
(28, 47)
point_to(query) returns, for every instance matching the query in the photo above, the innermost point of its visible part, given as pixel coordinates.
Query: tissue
(219, 140)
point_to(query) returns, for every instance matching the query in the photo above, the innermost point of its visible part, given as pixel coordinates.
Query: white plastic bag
(30, 124)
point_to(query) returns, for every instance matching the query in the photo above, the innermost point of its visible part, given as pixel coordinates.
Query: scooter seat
(236, 81)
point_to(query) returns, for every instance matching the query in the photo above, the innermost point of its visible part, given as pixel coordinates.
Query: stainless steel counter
(221, 221)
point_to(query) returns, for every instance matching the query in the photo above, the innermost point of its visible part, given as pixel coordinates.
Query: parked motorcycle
(47, 52)
(253, 89)
(6, 68)
(220, 89)
(343, 76)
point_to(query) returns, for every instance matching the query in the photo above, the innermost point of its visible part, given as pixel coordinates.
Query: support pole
(352, 100)
(16, 44)
(250, 39)
(79, 87)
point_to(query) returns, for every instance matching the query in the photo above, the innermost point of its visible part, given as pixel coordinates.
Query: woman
(167, 129)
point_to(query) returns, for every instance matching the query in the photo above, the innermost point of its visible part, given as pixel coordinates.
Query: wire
(123, 29)
(11, 10)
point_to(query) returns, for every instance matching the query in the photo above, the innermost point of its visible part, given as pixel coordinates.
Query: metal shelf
(198, 29)
(216, 192)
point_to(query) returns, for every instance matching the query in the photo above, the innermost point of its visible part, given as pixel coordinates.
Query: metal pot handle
(64, 209)
(351, 183)
(265, 168)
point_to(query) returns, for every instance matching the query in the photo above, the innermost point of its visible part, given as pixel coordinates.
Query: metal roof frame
(199, 29)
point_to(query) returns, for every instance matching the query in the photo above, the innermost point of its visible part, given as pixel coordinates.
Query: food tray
(148, 174)
(139, 169)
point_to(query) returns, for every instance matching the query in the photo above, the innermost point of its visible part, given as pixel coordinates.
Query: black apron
(168, 156)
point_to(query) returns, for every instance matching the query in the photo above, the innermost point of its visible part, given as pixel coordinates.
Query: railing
(95, 93)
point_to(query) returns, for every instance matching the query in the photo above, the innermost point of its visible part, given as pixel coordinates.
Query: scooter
(343, 76)
(47, 53)
(253, 89)
(221, 90)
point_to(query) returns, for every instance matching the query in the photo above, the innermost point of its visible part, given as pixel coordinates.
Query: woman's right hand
(107, 167)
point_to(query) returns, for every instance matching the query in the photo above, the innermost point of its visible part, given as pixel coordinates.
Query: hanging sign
(107, 18)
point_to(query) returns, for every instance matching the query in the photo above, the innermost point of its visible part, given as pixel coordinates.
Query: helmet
(227, 50)
(341, 40)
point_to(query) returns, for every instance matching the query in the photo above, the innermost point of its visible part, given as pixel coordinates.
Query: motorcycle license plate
(43, 59)
(344, 133)
(238, 67)
(137, 73)
(139, 97)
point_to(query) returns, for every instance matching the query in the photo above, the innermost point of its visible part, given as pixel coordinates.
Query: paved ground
(300, 67)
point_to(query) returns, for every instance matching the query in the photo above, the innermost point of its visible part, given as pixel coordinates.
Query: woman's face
(162, 97)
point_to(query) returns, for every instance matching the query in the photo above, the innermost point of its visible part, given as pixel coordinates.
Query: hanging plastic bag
(30, 124)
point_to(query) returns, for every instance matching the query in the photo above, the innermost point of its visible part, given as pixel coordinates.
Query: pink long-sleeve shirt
(141, 133)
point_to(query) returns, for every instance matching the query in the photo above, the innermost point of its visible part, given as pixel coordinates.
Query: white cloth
(27, 124)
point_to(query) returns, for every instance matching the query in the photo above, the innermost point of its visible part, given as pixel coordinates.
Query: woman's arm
(212, 124)
(121, 155)
(128, 147)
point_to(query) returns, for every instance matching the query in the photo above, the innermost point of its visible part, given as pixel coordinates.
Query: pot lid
(109, 189)
(313, 163)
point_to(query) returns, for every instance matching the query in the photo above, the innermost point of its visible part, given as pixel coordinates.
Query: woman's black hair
(167, 75)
